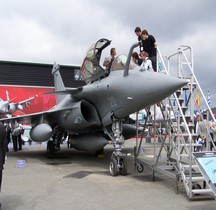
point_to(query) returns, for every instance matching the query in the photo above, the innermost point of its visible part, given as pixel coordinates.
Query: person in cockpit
(109, 60)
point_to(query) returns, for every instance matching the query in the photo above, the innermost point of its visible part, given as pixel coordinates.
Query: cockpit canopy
(91, 69)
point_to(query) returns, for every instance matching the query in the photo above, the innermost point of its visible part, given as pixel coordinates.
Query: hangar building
(23, 80)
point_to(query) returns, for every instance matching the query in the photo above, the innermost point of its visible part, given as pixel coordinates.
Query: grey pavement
(79, 180)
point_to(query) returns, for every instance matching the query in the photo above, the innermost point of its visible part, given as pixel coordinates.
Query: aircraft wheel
(140, 167)
(50, 149)
(113, 167)
(123, 169)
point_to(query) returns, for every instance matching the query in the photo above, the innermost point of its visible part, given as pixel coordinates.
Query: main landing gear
(118, 164)
(50, 149)
(54, 145)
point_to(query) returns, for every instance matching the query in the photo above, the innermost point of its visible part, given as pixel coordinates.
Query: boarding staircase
(179, 141)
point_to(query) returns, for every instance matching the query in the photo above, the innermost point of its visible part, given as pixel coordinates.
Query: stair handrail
(195, 78)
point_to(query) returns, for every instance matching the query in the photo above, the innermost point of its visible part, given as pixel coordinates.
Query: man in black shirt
(150, 46)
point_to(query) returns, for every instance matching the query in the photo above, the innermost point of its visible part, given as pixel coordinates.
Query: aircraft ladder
(179, 141)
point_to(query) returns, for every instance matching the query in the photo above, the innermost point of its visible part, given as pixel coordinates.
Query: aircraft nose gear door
(118, 163)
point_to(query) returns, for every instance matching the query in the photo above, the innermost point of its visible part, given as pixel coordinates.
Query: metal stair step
(181, 100)
(197, 179)
(184, 155)
(193, 145)
(187, 166)
(186, 116)
(201, 191)
(189, 125)
(178, 93)
(188, 87)
(187, 134)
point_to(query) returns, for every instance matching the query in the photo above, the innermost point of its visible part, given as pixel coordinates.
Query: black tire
(113, 169)
(140, 167)
(50, 149)
(123, 169)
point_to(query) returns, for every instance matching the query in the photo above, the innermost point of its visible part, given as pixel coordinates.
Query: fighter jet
(7, 107)
(95, 114)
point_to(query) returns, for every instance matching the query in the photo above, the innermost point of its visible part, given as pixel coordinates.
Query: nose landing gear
(118, 164)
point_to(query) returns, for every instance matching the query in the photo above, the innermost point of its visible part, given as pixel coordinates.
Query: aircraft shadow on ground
(64, 156)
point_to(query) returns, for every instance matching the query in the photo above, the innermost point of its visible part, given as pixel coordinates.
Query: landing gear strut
(54, 145)
(118, 163)
(50, 149)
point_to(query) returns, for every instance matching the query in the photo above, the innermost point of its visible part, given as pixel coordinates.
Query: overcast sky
(45, 31)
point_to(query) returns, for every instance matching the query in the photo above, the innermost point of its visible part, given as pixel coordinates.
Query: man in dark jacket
(150, 46)
(3, 148)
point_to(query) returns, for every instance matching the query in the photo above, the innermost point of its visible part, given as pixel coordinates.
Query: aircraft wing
(67, 91)
(34, 118)
(25, 102)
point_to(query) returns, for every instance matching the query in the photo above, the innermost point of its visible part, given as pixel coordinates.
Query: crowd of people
(148, 46)
(14, 132)
(204, 130)
(8, 132)
(147, 56)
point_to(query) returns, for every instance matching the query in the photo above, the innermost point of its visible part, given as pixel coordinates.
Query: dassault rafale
(94, 115)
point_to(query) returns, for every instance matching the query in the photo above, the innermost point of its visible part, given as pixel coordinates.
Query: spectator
(198, 118)
(138, 32)
(213, 128)
(149, 46)
(202, 130)
(136, 59)
(8, 134)
(16, 133)
(146, 64)
(3, 146)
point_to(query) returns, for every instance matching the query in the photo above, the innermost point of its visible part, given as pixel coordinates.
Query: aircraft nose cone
(164, 85)
(170, 83)
(158, 86)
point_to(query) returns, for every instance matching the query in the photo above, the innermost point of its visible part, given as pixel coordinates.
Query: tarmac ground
(81, 181)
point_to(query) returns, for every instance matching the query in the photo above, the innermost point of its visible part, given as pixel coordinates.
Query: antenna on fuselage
(126, 70)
